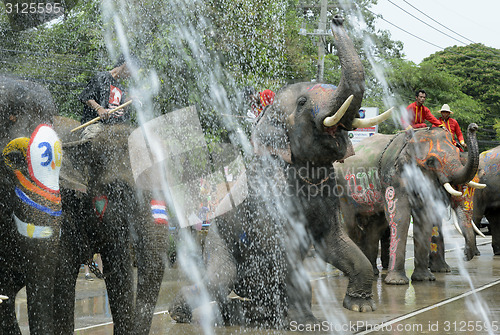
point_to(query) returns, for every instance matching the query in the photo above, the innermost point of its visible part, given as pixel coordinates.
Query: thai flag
(159, 212)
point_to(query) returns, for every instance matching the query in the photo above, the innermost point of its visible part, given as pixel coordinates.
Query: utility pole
(321, 44)
(320, 32)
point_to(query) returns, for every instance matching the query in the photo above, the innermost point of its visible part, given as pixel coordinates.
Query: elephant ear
(72, 170)
(14, 153)
(270, 136)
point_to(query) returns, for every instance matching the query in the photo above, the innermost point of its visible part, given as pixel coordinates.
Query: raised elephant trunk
(469, 170)
(352, 82)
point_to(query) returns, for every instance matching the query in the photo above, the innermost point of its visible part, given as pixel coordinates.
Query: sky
(476, 21)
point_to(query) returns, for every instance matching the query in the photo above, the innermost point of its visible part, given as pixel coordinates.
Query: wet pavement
(459, 302)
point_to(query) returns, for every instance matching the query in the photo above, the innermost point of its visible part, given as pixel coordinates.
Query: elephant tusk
(3, 297)
(333, 120)
(476, 229)
(455, 222)
(473, 184)
(452, 191)
(365, 123)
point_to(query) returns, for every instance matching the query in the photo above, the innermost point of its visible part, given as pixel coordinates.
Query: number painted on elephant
(44, 158)
(364, 188)
(391, 208)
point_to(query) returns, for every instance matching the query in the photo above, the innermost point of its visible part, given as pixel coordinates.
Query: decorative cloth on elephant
(40, 191)
(159, 212)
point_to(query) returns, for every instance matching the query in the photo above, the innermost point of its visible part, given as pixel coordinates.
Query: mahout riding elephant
(106, 218)
(486, 202)
(394, 176)
(30, 203)
(256, 249)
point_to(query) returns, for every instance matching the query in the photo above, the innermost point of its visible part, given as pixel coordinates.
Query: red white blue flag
(159, 212)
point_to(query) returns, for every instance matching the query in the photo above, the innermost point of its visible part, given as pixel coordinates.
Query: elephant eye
(432, 162)
(301, 101)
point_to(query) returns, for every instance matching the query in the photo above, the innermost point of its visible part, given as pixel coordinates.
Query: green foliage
(477, 69)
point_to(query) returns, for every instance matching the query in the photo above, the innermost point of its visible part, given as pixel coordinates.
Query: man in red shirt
(258, 100)
(418, 113)
(452, 125)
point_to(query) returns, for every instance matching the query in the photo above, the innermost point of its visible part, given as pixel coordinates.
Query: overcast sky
(477, 21)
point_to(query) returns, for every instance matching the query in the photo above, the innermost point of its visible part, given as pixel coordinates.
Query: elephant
(30, 202)
(380, 192)
(256, 249)
(486, 202)
(110, 215)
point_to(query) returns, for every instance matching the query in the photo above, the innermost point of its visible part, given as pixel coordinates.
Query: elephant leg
(66, 275)
(41, 257)
(220, 278)
(385, 244)
(119, 282)
(494, 222)
(437, 262)
(397, 214)
(340, 251)
(150, 251)
(422, 231)
(465, 222)
(373, 226)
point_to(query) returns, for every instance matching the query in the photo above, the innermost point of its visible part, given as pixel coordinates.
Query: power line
(435, 45)
(416, 18)
(426, 15)
(442, 25)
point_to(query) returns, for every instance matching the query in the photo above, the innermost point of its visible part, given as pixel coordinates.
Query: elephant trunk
(469, 170)
(352, 82)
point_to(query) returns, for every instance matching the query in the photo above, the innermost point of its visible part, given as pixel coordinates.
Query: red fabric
(266, 98)
(418, 115)
(454, 128)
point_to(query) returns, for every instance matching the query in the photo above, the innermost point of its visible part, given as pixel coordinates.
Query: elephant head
(434, 151)
(23, 106)
(308, 122)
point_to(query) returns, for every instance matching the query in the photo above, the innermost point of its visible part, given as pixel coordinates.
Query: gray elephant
(256, 249)
(381, 191)
(30, 203)
(107, 218)
(486, 202)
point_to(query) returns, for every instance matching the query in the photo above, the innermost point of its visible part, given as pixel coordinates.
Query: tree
(477, 68)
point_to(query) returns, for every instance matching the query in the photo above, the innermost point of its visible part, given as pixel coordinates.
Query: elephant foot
(359, 303)
(396, 278)
(469, 254)
(180, 312)
(376, 272)
(440, 267)
(477, 252)
(422, 275)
